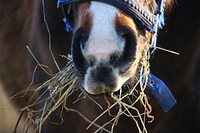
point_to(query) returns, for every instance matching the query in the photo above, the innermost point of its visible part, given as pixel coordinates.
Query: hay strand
(62, 85)
(65, 82)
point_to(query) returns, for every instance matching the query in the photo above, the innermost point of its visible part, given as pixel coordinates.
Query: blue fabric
(128, 8)
(68, 25)
(161, 92)
(60, 2)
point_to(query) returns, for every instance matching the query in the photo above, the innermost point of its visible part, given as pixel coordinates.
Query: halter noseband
(152, 22)
(133, 8)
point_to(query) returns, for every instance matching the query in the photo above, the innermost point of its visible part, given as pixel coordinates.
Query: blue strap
(162, 93)
(133, 9)
(68, 25)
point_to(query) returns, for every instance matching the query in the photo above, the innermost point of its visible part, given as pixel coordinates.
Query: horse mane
(150, 4)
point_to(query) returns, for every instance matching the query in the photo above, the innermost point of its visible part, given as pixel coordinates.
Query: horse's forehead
(97, 11)
(103, 33)
(103, 16)
(102, 7)
(94, 13)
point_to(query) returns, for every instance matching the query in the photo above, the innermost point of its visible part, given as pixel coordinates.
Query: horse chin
(122, 86)
(121, 90)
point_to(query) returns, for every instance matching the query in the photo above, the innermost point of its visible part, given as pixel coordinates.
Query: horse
(106, 48)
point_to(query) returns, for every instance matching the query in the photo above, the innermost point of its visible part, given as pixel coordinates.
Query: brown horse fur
(21, 24)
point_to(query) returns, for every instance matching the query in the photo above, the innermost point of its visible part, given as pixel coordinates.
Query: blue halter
(152, 22)
(149, 20)
(162, 93)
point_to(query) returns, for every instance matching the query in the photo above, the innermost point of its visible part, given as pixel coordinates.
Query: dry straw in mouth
(61, 86)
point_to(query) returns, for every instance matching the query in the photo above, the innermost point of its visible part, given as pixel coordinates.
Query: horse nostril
(91, 63)
(112, 59)
(103, 75)
(81, 36)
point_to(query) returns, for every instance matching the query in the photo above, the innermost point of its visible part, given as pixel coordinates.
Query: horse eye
(81, 37)
(81, 42)
(124, 31)
(123, 34)
(91, 63)
(112, 59)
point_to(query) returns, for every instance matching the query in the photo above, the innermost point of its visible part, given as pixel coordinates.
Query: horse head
(108, 43)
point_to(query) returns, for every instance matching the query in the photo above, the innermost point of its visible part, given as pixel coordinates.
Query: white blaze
(102, 42)
(103, 39)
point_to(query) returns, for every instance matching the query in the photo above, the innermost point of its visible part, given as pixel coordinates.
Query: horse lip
(102, 90)
(95, 91)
